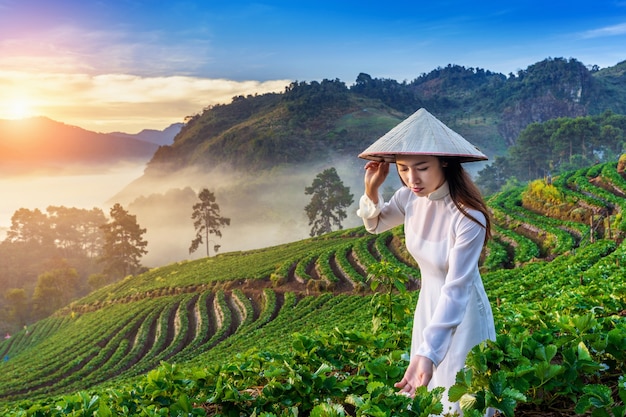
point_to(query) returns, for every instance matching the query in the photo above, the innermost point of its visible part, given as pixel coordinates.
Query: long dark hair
(465, 193)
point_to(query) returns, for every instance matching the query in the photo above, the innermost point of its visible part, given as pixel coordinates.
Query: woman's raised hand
(375, 174)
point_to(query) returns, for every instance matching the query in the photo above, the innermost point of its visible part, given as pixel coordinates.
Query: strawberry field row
(137, 339)
(549, 231)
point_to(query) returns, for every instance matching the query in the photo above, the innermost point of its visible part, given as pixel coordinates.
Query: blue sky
(120, 65)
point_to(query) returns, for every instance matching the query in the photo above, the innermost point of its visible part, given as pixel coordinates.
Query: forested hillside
(259, 153)
(556, 146)
(288, 330)
(327, 117)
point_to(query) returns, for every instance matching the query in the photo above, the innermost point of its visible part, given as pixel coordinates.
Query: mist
(81, 187)
(266, 208)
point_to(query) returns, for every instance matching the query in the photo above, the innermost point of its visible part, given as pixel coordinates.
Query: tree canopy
(207, 220)
(556, 146)
(40, 244)
(329, 200)
(123, 243)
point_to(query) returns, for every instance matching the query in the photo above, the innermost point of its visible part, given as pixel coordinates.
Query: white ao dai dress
(453, 313)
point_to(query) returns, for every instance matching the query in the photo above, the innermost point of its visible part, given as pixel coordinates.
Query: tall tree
(17, 307)
(77, 231)
(123, 243)
(531, 155)
(55, 289)
(30, 226)
(329, 200)
(575, 136)
(207, 220)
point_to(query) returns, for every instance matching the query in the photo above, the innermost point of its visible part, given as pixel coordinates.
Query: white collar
(440, 192)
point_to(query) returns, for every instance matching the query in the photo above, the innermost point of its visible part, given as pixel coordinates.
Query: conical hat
(422, 134)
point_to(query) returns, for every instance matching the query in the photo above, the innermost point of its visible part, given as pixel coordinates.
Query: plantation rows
(141, 330)
(126, 340)
(555, 267)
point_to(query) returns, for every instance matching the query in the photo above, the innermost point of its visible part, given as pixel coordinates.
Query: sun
(16, 109)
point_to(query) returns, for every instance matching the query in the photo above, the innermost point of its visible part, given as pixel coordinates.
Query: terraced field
(554, 272)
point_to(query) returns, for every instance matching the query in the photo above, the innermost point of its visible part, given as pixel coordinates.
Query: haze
(76, 190)
(265, 210)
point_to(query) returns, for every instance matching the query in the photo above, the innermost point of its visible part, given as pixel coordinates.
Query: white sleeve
(380, 217)
(367, 208)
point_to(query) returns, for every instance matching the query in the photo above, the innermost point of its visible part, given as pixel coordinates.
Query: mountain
(43, 145)
(258, 153)
(310, 121)
(158, 137)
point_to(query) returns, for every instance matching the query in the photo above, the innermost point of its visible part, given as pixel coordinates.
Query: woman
(446, 225)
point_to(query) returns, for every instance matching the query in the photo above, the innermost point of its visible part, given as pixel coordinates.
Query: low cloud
(614, 30)
(120, 102)
(265, 208)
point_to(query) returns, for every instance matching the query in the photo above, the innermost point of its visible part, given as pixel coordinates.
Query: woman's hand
(419, 373)
(375, 174)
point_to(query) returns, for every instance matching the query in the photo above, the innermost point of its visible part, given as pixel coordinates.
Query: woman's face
(423, 174)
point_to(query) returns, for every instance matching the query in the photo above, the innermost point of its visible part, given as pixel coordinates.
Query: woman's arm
(382, 216)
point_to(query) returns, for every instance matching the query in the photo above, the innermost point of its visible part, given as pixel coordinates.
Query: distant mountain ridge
(258, 153)
(44, 145)
(158, 137)
(310, 121)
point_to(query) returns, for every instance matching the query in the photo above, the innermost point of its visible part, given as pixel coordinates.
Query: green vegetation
(312, 120)
(207, 220)
(48, 259)
(123, 243)
(329, 201)
(238, 334)
(557, 146)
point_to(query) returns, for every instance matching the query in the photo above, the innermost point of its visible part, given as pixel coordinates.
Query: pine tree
(329, 200)
(207, 220)
(123, 243)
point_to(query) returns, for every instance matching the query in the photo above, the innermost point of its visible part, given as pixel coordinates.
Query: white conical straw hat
(422, 134)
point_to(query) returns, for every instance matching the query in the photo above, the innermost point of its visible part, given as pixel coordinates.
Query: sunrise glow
(16, 109)
(118, 102)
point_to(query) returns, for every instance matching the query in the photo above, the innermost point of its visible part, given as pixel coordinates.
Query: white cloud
(614, 30)
(121, 102)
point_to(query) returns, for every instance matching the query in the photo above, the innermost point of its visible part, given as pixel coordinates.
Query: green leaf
(355, 400)
(400, 286)
(545, 371)
(497, 383)
(103, 410)
(583, 352)
(507, 406)
(622, 388)
(456, 391)
(467, 401)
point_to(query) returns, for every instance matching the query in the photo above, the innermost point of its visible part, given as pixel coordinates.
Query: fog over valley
(266, 208)
(70, 189)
